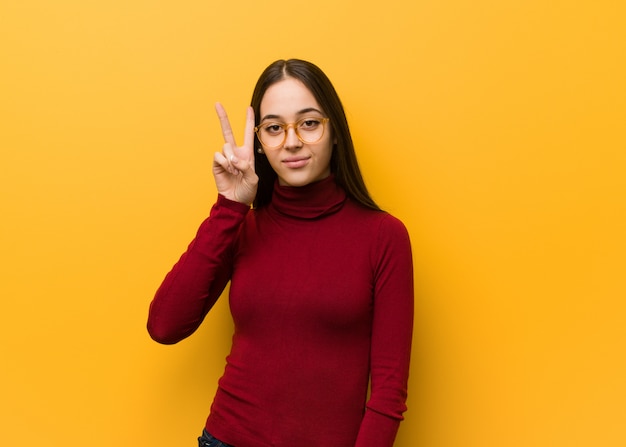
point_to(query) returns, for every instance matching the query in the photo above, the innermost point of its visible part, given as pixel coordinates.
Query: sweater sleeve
(392, 329)
(197, 280)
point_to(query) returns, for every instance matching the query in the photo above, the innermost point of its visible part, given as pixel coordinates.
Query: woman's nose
(291, 139)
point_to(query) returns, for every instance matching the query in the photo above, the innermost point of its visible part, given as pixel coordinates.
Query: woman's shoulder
(379, 220)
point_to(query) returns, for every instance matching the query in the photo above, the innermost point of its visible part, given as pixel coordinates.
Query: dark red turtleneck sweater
(321, 296)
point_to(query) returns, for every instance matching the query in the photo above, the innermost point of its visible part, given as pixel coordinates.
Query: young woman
(321, 279)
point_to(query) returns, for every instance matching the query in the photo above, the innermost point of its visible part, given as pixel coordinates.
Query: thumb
(241, 165)
(246, 168)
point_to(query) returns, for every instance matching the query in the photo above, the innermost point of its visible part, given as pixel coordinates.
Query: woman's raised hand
(233, 168)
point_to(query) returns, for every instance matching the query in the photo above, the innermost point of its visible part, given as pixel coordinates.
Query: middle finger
(227, 131)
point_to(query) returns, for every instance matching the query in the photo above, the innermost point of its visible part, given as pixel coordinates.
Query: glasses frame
(286, 127)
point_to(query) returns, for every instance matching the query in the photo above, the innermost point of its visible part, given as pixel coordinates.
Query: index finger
(227, 132)
(248, 138)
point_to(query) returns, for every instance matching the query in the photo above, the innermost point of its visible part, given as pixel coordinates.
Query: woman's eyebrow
(300, 112)
(270, 117)
(307, 110)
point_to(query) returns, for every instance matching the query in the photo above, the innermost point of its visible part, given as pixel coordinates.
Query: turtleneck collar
(311, 201)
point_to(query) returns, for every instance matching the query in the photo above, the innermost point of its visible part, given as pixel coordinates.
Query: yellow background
(494, 129)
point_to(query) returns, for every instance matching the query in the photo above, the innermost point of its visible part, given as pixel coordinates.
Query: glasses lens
(310, 130)
(271, 134)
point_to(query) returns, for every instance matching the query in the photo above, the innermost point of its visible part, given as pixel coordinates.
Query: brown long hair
(343, 162)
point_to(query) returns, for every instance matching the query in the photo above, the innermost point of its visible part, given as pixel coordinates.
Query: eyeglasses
(273, 134)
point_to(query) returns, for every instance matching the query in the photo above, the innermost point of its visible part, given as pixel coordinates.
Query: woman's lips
(296, 162)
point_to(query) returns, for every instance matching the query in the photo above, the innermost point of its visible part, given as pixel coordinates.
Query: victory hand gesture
(233, 168)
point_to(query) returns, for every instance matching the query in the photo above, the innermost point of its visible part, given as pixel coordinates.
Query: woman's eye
(273, 128)
(309, 123)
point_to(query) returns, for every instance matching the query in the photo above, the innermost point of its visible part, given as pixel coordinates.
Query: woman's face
(296, 163)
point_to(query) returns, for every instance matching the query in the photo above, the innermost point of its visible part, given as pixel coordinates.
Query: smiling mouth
(296, 162)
